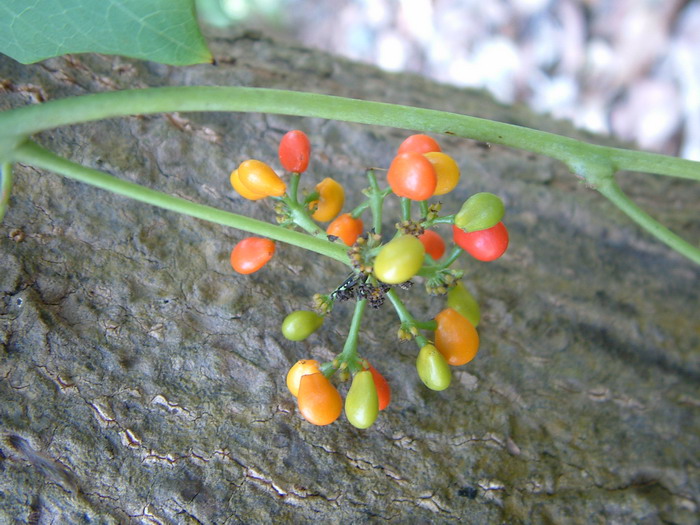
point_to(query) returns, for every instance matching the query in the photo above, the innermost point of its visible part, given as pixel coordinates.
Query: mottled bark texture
(141, 380)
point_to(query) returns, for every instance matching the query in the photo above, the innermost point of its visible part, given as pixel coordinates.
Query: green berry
(480, 212)
(299, 325)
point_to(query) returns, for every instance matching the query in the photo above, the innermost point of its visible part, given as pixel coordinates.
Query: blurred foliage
(225, 13)
(163, 31)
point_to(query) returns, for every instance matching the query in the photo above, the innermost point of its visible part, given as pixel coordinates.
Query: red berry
(251, 254)
(419, 144)
(294, 151)
(434, 245)
(383, 388)
(484, 245)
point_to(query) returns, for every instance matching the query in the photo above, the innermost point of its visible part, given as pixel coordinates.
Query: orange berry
(412, 175)
(261, 179)
(330, 201)
(455, 337)
(446, 170)
(298, 370)
(419, 144)
(319, 401)
(346, 227)
(251, 254)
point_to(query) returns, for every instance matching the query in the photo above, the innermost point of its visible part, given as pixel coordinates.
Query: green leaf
(163, 31)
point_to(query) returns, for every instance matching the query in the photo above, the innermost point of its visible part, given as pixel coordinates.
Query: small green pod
(362, 402)
(432, 368)
(300, 324)
(480, 212)
(460, 299)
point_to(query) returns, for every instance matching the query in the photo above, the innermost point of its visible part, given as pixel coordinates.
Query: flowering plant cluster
(380, 266)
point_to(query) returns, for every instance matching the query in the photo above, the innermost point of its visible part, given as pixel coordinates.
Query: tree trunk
(142, 380)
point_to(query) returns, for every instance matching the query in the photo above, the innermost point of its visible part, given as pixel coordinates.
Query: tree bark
(142, 380)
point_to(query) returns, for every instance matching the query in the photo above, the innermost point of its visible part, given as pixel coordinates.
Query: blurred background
(629, 68)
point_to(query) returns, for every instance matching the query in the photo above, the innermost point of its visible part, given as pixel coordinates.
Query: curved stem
(33, 154)
(406, 318)
(401, 310)
(614, 193)
(596, 164)
(431, 270)
(17, 124)
(452, 257)
(349, 353)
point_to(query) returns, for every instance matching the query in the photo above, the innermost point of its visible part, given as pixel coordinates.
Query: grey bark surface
(142, 381)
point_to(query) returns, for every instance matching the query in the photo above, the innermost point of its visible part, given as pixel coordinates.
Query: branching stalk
(28, 120)
(33, 154)
(596, 164)
(612, 191)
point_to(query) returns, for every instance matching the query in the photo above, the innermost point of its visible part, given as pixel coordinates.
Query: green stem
(300, 216)
(401, 310)
(16, 124)
(427, 325)
(293, 187)
(429, 271)
(358, 210)
(33, 154)
(349, 353)
(407, 320)
(299, 212)
(445, 219)
(596, 164)
(5, 188)
(308, 199)
(405, 209)
(614, 193)
(376, 201)
(454, 254)
(424, 209)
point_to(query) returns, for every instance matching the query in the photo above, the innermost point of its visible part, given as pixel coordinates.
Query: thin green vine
(349, 353)
(32, 153)
(596, 164)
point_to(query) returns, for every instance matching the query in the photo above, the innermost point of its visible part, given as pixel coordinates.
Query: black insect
(346, 291)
